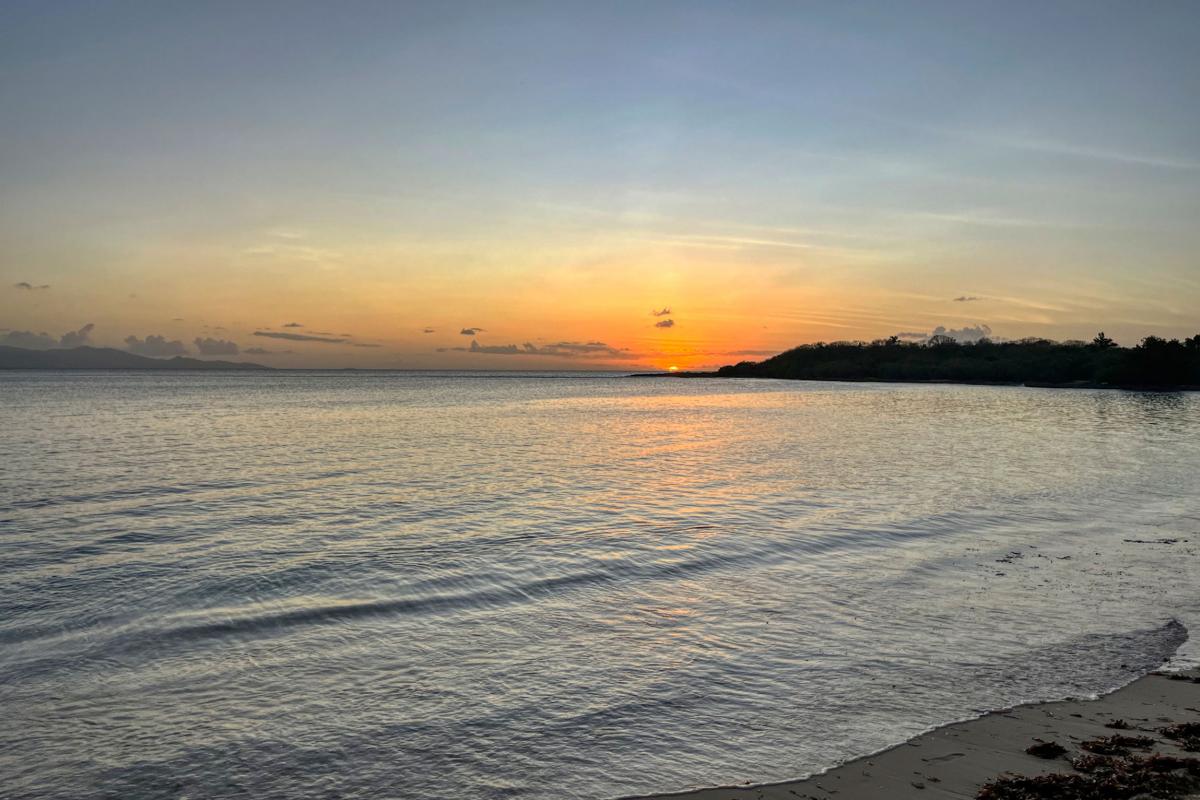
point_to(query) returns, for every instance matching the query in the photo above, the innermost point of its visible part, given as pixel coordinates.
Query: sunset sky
(520, 185)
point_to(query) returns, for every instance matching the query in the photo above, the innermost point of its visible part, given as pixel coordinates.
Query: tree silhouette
(1154, 363)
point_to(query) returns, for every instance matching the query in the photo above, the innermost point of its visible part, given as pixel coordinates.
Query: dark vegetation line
(1154, 363)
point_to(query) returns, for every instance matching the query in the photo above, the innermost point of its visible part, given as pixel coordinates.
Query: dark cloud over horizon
(44, 341)
(666, 323)
(155, 346)
(29, 340)
(292, 325)
(77, 338)
(215, 347)
(965, 334)
(470, 331)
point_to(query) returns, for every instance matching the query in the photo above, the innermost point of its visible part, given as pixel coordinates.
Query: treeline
(1156, 362)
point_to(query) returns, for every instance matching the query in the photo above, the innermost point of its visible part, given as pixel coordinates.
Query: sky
(593, 185)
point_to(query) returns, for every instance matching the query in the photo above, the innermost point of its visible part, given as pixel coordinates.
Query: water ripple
(303, 585)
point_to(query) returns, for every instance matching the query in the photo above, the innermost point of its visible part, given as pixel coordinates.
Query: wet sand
(955, 761)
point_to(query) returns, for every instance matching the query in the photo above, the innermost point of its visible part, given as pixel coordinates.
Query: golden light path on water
(545, 586)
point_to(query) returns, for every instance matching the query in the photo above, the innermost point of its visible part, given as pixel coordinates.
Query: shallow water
(301, 585)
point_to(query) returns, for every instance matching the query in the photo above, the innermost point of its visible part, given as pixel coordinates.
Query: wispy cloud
(988, 220)
(26, 286)
(1034, 144)
(1094, 153)
(287, 233)
(733, 242)
(299, 337)
(292, 325)
(1038, 305)
(967, 298)
(593, 350)
(285, 250)
(322, 337)
(428, 330)
(665, 311)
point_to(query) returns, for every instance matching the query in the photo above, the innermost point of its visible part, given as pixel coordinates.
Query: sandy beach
(956, 761)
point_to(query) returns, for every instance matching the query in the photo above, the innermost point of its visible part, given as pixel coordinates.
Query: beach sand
(956, 760)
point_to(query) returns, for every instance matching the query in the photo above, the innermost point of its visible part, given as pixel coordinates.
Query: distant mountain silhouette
(1154, 363)
(105, 358)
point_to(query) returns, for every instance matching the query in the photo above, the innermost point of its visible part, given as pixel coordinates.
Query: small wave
(612, 572)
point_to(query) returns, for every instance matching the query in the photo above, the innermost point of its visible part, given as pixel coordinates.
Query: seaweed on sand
(1117, 745)
(1186, 733)
(1046, 749)
(1157, 776)
(1090, 764)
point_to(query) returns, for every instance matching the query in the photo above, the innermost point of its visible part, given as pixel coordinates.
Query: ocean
(560, 585)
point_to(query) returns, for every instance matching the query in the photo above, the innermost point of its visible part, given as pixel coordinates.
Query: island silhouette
(106, 358)
(1154, 363)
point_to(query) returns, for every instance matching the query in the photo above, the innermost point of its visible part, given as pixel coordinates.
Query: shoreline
(957, 759)
(1117, 387)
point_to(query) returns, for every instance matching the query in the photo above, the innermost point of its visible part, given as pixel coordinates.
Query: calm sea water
(315, 585)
